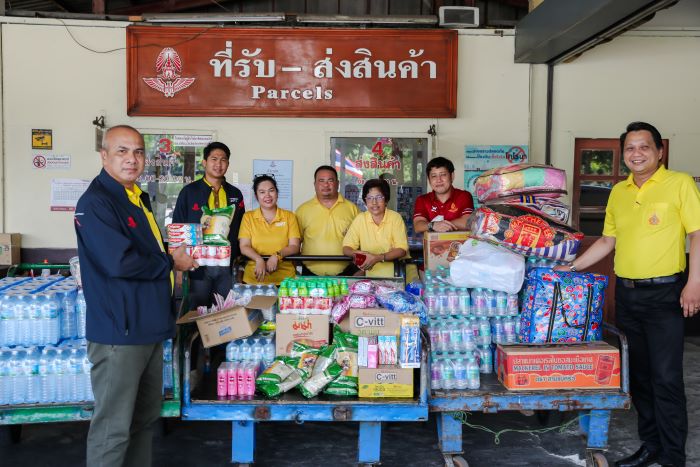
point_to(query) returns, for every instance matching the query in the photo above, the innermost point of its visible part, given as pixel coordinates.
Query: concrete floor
(315, 444)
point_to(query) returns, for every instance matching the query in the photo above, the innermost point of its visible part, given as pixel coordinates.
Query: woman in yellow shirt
(379, 234)
(268, 230)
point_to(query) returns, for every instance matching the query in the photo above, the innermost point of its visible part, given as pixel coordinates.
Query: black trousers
(652, 319)
(216, 279)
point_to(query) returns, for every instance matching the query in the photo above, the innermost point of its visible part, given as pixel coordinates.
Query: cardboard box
(10, 244)
(385, 381)
(593, 365)
(440, 248)
(312, 330)
(372, 322)
(230, 324)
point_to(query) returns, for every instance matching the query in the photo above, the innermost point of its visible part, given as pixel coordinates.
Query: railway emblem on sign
(169, 67)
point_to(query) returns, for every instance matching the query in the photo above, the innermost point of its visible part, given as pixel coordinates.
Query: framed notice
(478, 159)
(189, 71)
(281, 170)
(65, 193)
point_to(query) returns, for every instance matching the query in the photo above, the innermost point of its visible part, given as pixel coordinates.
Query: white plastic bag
(481, 264)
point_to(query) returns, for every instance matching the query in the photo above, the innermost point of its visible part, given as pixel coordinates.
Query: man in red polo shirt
(446, 208)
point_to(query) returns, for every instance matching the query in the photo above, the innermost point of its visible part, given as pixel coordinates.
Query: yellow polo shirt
(365, 235)
(212, 199)
(650, 223)
(267, 239)
(323, 230)
(135, 197)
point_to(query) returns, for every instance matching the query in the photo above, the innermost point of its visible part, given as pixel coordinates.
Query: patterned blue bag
(562, 306)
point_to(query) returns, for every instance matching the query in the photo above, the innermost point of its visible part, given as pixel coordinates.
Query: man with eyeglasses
(214, 191)
(324, 220)
(446, 208)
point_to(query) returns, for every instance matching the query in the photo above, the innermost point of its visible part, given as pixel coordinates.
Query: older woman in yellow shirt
(379, 233)
(268, 230)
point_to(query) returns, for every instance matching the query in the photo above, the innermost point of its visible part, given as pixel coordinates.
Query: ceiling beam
(166, 6)
(559, 30)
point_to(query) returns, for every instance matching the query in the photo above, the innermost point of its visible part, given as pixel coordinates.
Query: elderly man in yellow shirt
(647, 219)
(324, 220)
(378, 236)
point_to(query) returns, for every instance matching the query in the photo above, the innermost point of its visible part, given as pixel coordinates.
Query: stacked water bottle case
(465, 327)
(43, 351)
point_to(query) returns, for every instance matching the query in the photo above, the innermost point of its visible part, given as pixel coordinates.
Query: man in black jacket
(127, 281)
(214, 191)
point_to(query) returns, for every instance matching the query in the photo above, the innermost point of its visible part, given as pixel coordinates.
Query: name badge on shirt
(280, 224)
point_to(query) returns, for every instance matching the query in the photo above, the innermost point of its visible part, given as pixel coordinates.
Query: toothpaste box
(188, 234)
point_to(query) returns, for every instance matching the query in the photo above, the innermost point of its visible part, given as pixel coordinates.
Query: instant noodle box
(230, 324)
(385, 381)
(441, 248)
(591, 365)
(311, 330)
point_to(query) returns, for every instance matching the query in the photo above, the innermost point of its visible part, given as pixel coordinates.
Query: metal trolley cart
(12, 417)
(492, 397)
(244, 414)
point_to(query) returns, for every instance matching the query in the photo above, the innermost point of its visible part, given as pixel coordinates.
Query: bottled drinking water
(464, 301)
(455, 337)
(490, 302)
(61, 368)
(468, 339)
(18, 376)
(473, 377)
(434, 334)
(486, 365)
(479, 304)
(256, 351)
(443, 307)
(246, 352)
(24, 335)
(430, 301)
(436, 374)
(75, 368)
(68, 319)
(34, 321)
(5, 382)
(8, 321)
(452, 301)
(512, 305)
(445, 338)
(167, 364)
(233, 351)
(268, 352)
(484, 331)
(80, 313)
(448, 374)
(461, 381)
(509, 334)
(501, 303)
(50, 307)
(32, 374)
(497, 331)
(47, 375)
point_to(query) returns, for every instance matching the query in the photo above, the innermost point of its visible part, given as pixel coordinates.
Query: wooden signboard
(191, 71)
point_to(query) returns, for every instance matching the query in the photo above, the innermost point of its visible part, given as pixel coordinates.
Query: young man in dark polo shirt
(446, 208)
(214, 191)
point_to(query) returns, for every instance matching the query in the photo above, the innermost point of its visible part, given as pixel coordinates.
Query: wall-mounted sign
(478, 159)
(51, 161)
(185, 71)
(65, 193)
(42, 139)
(281, 170)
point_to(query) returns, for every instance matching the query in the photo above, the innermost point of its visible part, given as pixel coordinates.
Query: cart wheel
(455, 461)
(595, 459)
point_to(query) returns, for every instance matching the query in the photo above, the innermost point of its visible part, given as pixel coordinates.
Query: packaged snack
(362, 286)
(307, 357)
(358, 300)
(275, 389)
(326, 357)
(346, 357)
(340, 310)
(404, 302)
(312, 386)
(216, 223)
(278, 371)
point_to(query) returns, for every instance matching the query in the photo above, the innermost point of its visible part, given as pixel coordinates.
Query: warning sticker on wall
(51, 161)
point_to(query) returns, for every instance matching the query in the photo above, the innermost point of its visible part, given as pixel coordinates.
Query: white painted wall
(50, 81)
(643, 75)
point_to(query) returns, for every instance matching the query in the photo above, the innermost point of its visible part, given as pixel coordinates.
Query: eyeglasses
(374, 199)
(263, 175)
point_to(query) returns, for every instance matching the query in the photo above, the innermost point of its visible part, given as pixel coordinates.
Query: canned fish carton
(189, 234)
(409, 342)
